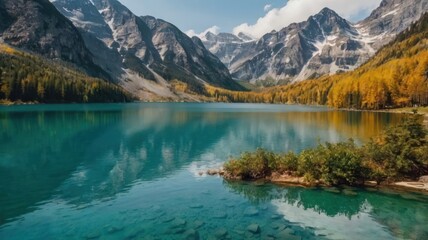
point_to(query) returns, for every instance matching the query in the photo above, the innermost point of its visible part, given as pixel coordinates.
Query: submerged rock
(93, 235)
(239, 232)
(191, 234)
(196, 206)
(167, 219)
(287, 233)
(179, 230)
(230, 205)
(332, 190)
(269, 238)
(114, 229)
(178, 222)
(278, 226)
(251, 211)
(198, 223)
(220, 215)
(350, 192)
(135, 232)
(254, 228)
(221, 233)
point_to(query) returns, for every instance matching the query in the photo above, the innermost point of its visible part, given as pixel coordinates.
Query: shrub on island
(400, 153)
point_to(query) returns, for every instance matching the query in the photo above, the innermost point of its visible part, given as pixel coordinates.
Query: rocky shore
(288, 179)
(421, 185)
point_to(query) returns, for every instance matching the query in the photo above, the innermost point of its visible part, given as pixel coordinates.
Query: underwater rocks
(221, 233)
(191, 234)
(253, 228)
(251, 211)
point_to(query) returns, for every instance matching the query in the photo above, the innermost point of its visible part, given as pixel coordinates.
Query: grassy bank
(399, 154)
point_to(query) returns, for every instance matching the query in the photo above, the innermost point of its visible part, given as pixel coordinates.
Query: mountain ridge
(139, 44)
(396, 76)
(273, 57)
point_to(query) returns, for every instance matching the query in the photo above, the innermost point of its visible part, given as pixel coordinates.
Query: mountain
(177, 49)
(145, 54)
(36, 25)
(391, 18)
(227, 46)
(396, 76)
(324, 44)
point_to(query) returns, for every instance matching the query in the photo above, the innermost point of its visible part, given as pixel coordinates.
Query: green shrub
(310, 162)
(400, 153)
(255, 165)
(343, 164)
(286, 163)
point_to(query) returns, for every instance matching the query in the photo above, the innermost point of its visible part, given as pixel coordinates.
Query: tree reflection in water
(400, 212)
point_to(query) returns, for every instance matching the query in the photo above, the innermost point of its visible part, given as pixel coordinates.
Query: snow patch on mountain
(393, 12)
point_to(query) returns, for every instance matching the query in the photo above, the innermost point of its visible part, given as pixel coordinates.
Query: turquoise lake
(131, 171)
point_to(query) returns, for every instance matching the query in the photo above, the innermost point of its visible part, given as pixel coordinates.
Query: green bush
(343, 164)
(400, 153)
(310, 162)
(287, 163)
(252, 165)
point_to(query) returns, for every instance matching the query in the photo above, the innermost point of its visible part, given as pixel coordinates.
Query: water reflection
(344, 213)
(80, 154)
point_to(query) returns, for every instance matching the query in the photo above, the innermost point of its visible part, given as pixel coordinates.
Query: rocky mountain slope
(324, 44)
(144, 53)
(177, 49)
(227, 46)
(391, 18)
(36, 25)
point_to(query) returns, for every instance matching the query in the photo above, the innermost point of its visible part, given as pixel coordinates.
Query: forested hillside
(30, 78)
(396, 76)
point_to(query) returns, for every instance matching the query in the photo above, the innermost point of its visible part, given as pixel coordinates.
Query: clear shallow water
(132, 172)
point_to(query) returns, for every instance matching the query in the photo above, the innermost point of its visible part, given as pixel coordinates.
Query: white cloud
(191, 33)
(213, 29)
(267, 7)
(300, 10)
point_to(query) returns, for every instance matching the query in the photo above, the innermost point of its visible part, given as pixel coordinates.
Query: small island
(398, 157)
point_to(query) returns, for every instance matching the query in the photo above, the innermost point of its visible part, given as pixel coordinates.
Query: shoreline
(423, 113)
(391, 110)
(411, 186)
(289, 180)
(406, 185)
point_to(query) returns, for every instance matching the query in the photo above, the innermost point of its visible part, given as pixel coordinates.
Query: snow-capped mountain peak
(324, 44)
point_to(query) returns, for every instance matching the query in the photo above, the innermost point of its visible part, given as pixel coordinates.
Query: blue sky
(248, 16)
(202, 14)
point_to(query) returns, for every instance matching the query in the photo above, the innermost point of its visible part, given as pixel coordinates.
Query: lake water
(131, 171)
